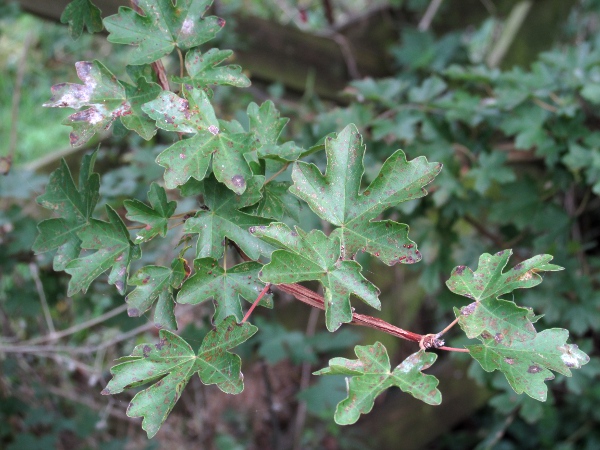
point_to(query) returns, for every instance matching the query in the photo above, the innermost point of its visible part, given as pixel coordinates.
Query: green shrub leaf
(371, 375)
(75, 205)
(162, 27)
(314, 256)
(336, 197)
(225, 286)
(172, 362)
(79, 14)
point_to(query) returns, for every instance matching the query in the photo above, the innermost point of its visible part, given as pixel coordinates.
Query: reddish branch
(313, 299)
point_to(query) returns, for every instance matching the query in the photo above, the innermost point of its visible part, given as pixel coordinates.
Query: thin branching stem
(450, 325)
(258, 299)
(181, 69)
(279, 172)
(313, 299)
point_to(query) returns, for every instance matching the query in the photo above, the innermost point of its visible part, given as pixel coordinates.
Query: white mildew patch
(188, 26)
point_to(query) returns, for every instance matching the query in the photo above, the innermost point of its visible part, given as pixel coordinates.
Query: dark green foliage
(476, 122)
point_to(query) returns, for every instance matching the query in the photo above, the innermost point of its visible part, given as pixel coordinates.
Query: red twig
(260, 296)
(313, 299)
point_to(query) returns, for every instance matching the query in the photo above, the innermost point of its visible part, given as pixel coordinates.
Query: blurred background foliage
(503, 93)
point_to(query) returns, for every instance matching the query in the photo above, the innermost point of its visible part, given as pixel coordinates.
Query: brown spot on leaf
(509, 361)
(534, 368)
(460, 269)
(147, 350)
(499, 337)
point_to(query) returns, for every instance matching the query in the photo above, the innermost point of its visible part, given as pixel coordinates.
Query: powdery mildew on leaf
(162, 27)
(190, 158)
(527, 365)
(337, 197)
(510, 342)
(225, 286)
(489, 280)
(371, 375)
(171, 363)
(314, 256)
(502, 319)
(106, 98)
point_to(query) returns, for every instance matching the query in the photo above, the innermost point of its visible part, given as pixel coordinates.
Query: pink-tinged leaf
(106, 100)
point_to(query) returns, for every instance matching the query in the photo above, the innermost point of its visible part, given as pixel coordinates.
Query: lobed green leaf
(225, 286)
(162, 27)
(172, 362)
(314, 256)
(371, 375)
(75, 205)
(336, 197)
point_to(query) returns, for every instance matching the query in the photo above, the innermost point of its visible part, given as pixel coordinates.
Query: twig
(511, 28)
(500, 432)
(483, 230)
(275, 426)
(328, 8)
(82, 326)
(491, 8)
(161, 74)
(40, 290)
(89, 403)
(311, 326)
(279, 172)
(349, 58)
(450, 325)
(542, 104)
(42, 349)
(313, 299)
(180, 62)
(425, 22)
(258, 299)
